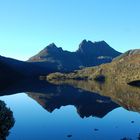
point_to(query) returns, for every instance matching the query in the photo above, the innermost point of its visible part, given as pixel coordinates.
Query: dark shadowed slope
(12, 69)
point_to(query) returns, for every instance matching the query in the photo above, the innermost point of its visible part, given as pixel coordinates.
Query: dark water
(84, 112)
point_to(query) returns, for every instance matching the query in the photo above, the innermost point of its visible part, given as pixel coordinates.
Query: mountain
(125, 69)
(53, 59)
(88, 54)
(95, 53)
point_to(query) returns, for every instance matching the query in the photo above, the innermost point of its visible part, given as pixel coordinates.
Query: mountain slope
(128, 53)
(124, 69)
(12, 70)
(88, 54)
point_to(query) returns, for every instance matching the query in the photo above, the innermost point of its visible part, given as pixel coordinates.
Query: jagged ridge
(88, 54)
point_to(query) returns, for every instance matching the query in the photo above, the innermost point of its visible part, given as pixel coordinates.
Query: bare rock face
(100, 48)
(128, 53)
(43, 54)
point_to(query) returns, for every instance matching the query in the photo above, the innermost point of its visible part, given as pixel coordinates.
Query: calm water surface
(62, 112)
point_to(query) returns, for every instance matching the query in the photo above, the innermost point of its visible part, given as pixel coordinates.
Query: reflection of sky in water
(33, 122)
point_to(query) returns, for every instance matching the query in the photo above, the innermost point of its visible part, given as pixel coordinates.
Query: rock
(96, 129)
(134, 83)
(69, 136)
(126, 138)
(100, 78)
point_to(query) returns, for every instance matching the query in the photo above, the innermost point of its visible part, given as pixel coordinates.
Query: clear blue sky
(27, 26)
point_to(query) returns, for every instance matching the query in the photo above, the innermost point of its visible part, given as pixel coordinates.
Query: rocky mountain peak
(96, 48)
(84, 45)
(51, 46)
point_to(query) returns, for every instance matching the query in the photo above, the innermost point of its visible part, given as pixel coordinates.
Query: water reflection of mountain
(6, 120)
(87, 104)
(53, 97)
(123, 94)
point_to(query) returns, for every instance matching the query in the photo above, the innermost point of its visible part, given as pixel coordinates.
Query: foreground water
(63, 112)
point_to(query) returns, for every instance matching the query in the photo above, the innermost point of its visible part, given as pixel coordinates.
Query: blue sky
(27, 26)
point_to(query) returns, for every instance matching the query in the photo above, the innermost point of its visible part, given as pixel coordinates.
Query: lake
(44, 111)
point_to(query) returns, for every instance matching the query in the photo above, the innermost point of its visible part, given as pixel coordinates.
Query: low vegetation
(122, 70)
